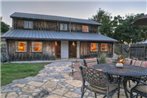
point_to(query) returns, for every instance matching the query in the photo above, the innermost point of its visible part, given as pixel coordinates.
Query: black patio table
(126, 72)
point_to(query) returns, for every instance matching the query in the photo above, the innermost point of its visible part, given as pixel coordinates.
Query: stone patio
(54, 81)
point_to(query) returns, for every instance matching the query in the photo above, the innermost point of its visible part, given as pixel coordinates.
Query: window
(36, 46)
(63, 27)
(21, 46)
(28, 24)
(93, 47)
(85, 28)
(104, 47)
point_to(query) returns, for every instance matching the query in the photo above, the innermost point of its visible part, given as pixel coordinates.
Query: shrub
(102, 58)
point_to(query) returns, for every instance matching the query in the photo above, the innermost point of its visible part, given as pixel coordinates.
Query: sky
(77, 9)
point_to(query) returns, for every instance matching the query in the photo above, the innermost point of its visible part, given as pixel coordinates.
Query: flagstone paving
(53, 81)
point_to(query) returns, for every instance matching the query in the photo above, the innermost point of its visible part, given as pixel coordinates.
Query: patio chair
(128, 61)
(140, 89)
(97, 82)
(90, 62)
(75, 66)
(138, 63)
(144, 64)
(133, 62)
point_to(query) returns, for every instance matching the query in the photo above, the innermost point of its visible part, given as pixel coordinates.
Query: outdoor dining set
(108, 79)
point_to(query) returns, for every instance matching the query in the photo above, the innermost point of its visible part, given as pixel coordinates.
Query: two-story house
(41, 37)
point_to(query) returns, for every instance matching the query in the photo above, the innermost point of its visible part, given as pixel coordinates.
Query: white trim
(78, 49)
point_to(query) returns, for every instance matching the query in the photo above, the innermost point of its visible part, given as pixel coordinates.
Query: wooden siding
(48, 51)
(18, 24)
(51, 25)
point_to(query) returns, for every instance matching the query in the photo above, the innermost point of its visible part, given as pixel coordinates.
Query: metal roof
(51, 35)
(53, 18)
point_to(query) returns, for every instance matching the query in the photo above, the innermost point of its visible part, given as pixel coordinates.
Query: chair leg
(118, 93)
(131, 94)
(82, 90)
(129, 83)
(95, 95)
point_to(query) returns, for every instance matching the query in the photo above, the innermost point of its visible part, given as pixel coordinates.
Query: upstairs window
(63, 27)
(85, 28)
(36, 46)
(21, 46)
(28, 24)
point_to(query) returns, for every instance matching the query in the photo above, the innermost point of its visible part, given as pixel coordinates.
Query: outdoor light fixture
(120, 61)
(56, 43)
(73, 43)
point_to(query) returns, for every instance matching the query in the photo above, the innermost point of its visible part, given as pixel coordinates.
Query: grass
(12, 71)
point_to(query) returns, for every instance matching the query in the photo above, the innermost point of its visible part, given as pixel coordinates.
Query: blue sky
(76, 9)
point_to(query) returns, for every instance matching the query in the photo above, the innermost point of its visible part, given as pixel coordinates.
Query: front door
(57, 49)
(72, 49)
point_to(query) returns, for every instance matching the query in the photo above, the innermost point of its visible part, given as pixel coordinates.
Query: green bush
(102, 58)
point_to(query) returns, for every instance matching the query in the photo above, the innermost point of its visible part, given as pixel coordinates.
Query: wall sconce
(73, 43)
(56, 43)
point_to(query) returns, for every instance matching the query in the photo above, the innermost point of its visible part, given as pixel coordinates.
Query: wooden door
(72, 49)
(58, 49)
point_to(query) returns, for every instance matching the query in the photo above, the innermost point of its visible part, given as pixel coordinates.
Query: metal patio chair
(97, 82)
(140, 89)
(90, 62)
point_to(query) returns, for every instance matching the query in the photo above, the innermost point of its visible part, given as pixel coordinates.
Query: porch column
(78, 49)
(64, 50)
(113, 46)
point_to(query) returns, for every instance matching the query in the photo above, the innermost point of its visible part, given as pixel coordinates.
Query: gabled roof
(50, 35)
(53, 18)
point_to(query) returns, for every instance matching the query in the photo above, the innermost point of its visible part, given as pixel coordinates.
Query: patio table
(127, 71)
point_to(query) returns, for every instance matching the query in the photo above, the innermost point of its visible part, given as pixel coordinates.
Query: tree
(4, 27)
(127, 32)
(105, 19)
(120, 28)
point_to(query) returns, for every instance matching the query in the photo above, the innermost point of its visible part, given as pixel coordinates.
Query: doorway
(72, 49)
(58, 49)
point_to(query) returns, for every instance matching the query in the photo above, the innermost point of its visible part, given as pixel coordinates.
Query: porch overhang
(52, 35)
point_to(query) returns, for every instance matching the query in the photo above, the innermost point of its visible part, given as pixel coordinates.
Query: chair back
(138, 63)
(133, 62)
(128, 61)
(94, 77)
(90, 62)
(144, 64)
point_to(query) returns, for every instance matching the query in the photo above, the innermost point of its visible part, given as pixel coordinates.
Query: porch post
(113, 47)
(78, 49)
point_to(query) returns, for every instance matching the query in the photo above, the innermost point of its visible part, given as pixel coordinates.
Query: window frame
(96, 47)
(28, 24)
(104, 45)
(16, 44)
(85, 27)
(63, 27)
(32, 47)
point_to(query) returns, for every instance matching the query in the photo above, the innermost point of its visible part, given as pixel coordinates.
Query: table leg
(125, 87)
(119, 83)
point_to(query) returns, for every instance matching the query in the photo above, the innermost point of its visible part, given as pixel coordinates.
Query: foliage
(4, 27)
(102, 58)
(120, 28)
(105, 19)
(12, 71)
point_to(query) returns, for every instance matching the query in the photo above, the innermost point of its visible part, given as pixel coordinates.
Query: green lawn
(12, 71)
